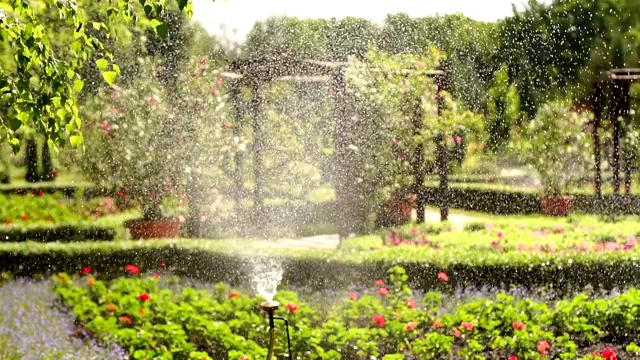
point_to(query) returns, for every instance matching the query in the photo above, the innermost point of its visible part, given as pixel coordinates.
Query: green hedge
(233, 261)
(517, 202)
(69, 190)
(51, 233)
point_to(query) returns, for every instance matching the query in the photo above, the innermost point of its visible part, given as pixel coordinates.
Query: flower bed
(154, 314)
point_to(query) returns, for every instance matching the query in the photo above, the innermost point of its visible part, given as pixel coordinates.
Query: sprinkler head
(270, 307)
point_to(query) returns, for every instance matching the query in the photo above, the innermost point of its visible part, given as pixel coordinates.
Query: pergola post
(238, 158)
(417, 165)
(258, 145)
(597, 120)
(442, 159)
(347, 214)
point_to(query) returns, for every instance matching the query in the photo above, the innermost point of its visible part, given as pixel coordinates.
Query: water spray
(270, 307)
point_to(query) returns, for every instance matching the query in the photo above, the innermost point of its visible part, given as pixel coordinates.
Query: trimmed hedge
(213, 261)
(519, 202)
(62, 233)
(68, 190)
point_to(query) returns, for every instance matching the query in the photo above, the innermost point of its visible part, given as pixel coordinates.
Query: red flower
(226, 125)
(151, 101)
(437, 324)
(379, 283)
(384, 292)
(293, 308)
(500, 235)
(63, 277)
(156, 276)
(162, 265)
(234, 295)
(111, 308)
(141, 311)
(443, 277)
(8, 222)
(144, 297)
(132, 269)
(513, 357)
(125, 319)
(24, 217)
(467, 325)
(378, 320)
(543, 346)
(456, 332)
(609, 354)
(410, 303)
(86, 270)
(40, 192)
(410, 326)
(243, 358)
(519, 325)
(90, 281)
(353, 296)
(215, 91)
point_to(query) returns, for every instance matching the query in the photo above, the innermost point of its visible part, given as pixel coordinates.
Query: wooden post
(348, 216)
(417, 165)
(442, 160)
(625, 107)
(258, 144)
(597, 120)
(238, 158)
(617, 112)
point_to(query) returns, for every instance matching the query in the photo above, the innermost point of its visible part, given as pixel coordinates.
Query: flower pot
(397, 211)
(556, 205)
(147, 229)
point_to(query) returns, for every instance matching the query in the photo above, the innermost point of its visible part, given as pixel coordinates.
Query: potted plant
(557, 146)
(136, 142)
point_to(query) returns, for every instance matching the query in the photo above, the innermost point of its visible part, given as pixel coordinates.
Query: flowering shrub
(556, 236)
(556, 145)
(220, 323)
(141, 138)
(52, 208)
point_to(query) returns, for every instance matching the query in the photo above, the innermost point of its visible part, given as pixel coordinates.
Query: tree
(503, 110)
(40, 90)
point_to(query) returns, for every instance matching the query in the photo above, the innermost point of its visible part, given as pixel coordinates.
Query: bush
(51, 233)
(227, 261)
(148, 313)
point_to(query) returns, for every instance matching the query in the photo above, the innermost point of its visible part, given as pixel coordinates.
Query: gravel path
(32, 328)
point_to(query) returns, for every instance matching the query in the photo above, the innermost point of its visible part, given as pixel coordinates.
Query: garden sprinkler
(270, 307)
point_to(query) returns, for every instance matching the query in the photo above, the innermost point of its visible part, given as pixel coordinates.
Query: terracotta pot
(556, 205)
(398, 210)
(145, 229)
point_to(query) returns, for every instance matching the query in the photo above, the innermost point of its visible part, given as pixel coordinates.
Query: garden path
(331, 241)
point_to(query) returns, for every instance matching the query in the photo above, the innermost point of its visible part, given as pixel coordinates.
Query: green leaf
(182, 3)
(160, 28)
(76, 140)
(78, 84)
(102, 64)
(110, 77)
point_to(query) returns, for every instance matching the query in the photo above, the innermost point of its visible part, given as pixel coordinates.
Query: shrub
(148, 313)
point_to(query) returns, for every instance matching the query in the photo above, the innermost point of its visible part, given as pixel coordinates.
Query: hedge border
(57, 233)
(313, 271)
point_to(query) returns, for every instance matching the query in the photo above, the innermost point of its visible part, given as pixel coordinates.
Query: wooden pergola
(256, 72)
(613, 85)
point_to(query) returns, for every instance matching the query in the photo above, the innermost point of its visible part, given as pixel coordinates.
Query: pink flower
(631, 240)
(495, 244)
(458, 140)
(379, 282)
(443, 277)
(384, 292)
(156, 276)
(519, 325)
(559, 229)
(414, 232)
(543, 346)
(378, 320)
(410, 303)
(293, 308)
(437, 324)
(467, 325)
(410, 326)
(353, 296)
(521, 226)
(500, 235)
(521, 247)
(132, 269)
(456, 333)
(513, 357)
(125, 319)
(609, 354)
(488, 226)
